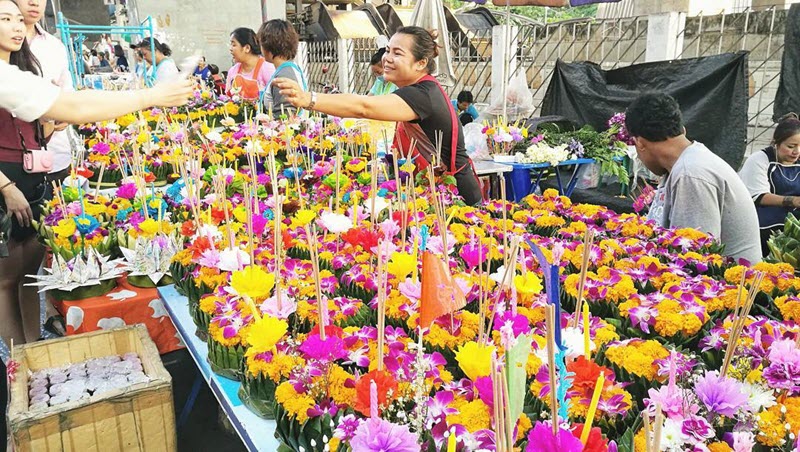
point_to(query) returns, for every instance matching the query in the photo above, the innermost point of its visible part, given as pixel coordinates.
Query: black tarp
(787, 98)
(712, 93)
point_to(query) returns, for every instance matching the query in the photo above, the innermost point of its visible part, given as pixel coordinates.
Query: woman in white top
(165, 68)
(772, 177)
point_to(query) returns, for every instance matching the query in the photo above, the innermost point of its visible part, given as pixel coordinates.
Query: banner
(712, 93)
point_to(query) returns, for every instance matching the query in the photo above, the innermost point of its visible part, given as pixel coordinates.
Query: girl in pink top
(251, 73)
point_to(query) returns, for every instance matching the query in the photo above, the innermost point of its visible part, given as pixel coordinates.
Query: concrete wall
(204, 25)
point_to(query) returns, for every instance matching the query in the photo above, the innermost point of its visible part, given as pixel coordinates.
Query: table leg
(189, 405)
(573, 181)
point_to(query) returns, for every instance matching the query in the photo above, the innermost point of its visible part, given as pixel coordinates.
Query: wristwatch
(788, 201)
(313, 101)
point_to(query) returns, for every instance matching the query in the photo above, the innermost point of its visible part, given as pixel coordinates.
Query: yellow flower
(720, 446)
(304, 216)
(475, 359)
(265, 333)
(148, 227)
(472, 415)
(528, 284)
(401, 264)
(253, 282)
(65, 228)
(295, 404)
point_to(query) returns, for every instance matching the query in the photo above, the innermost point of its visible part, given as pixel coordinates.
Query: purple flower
(347, 427)
(541, 439)
(721, 395)
(377, 435)
(697, 429)
(783, 371)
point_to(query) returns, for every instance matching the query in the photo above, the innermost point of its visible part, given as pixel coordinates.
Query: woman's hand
(796, 202)
(17, 205)
(293, 93)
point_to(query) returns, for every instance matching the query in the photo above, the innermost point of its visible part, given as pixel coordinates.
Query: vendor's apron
(248, 87)
(784, 180)
(423, 150)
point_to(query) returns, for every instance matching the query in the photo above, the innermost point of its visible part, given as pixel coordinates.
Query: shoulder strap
(257, 70)
(453, 123)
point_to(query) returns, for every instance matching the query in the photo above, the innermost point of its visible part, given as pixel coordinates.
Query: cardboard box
(138, 418)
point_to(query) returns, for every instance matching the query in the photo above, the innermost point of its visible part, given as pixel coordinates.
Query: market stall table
(493, 171)
(520, 182)
(256, 433)
(124, 305)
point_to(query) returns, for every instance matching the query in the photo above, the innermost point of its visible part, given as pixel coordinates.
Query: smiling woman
(420, 107)
(22, 191)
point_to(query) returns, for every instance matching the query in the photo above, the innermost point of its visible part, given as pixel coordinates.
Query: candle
(587, 341)
(587, 426)
(451, 441)
(373, 400)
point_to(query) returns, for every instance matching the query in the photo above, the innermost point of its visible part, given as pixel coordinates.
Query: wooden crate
(138, 418)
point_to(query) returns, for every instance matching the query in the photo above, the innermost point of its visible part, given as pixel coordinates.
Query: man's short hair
(465, 96)
(654, 117)
(279, 38)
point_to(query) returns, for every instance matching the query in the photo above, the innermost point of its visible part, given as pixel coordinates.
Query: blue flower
(86, 224)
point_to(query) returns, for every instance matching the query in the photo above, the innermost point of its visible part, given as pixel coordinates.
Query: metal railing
(611, 43)
(761, 33)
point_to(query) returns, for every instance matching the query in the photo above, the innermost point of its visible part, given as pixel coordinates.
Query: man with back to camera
(700, 189)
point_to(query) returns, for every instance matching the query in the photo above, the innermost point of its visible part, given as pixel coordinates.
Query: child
(463, 105)
(216, 81)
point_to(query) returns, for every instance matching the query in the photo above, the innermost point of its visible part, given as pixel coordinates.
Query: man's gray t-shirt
(703, 192)
(273, 97)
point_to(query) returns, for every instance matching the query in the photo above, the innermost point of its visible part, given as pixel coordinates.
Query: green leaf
(517, 358)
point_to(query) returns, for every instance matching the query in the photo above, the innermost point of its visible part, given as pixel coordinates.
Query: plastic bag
(588, 176)
(475, 142)
(519, 99)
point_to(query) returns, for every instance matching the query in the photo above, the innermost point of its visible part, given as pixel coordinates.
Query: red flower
(200, 245)
(397, 216)
(149, 177)
(596, 441)
(85, 172)
(586, 375)
(385, 383)
(330, 330)
(217, 215)
(360, 236)
(188, 228)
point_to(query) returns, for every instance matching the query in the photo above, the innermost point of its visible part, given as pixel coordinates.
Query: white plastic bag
(519, 99)
(475, 142)
(588, 176)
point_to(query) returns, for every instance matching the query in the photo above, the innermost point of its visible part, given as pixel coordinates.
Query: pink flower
(541, 439)
(377, 435)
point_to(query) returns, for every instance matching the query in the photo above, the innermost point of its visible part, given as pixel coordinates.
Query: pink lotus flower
(377, 435)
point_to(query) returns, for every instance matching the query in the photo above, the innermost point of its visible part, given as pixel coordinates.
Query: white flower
(380, 205)
(227, 122)
(214, 136)
(209, 231)
(758, 397)
(542, 153)
(233, 259)
(334, 222)
(672, 438)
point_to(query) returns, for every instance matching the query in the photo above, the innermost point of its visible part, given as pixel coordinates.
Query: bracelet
(9, 183)
(313, 101)
(787, 201)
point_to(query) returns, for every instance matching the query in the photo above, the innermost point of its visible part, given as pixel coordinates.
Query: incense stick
(588, 240)
(551, 365)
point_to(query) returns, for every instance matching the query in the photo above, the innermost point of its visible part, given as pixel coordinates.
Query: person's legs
(29, 307)
(10, 276)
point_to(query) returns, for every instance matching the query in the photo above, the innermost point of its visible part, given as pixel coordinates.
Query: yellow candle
(587, 341)
(253, 307)
(598, 388)
(451, 442)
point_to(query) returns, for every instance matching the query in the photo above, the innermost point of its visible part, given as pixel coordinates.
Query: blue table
(257, 434)
(519, 182)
